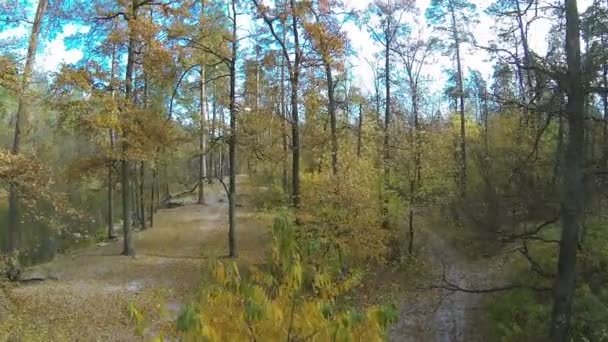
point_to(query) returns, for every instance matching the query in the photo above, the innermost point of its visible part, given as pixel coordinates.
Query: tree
(289, 22)
(478, 90)
(202, 161)
(414, 50)
(454, 17)
(390, 25)
(512, 16)
(20, 119)
(330, 42)
(232, 239)
(573, 196)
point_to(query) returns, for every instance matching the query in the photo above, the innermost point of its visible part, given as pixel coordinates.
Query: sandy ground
(94, 286)
(440, 315)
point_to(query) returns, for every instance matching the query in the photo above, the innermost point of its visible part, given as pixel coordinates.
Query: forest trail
(94, 286)
(439, 315)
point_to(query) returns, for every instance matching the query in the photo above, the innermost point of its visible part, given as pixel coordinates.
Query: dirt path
(94, 286)
(441, 315)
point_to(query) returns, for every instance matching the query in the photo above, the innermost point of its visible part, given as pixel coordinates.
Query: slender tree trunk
(285, 176)
(142, 195)
(573, 186)
(222, 169)
(417, 138)
(13, 201)
(410, 247)
(111, 190)
(135, 195)
(605, 114)
(387, 121)
(486, 112)
(332, 118)
(360, 130)
(111, 161)
(212, 164)
(463, 150)
(232, 238)
(152, 196)
(202, 171)
(416, 179)
(377, 100)
(128, 248)
(142, 164)
(295, 125)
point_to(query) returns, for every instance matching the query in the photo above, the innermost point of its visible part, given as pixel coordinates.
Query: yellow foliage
(275, 304)
(343, 211)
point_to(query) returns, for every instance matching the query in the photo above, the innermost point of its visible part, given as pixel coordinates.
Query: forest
(303, 170)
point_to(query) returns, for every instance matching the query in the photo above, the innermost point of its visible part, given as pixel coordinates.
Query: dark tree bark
(128, 248)
(13, 201)
(142, 195)
(202, 163)
(232, 239)
(573, 186)
(332, 117)
(295, 125)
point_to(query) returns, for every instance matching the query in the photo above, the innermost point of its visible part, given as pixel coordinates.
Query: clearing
(94, 286)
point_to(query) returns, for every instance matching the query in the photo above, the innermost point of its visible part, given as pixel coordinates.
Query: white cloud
(56, 53)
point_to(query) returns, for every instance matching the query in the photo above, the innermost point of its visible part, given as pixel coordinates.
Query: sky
(472, 59)
(55, 51)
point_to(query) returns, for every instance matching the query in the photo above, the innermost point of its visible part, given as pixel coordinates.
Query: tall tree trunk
(416, 177)
(111, 189)
(232, 239)
(359, 130)
(13, 201)
(463, 150)
(283, 111)
(295, 125)
(573, 185)
(202, 171)
(417, 138)
(387, 120)
(332, 118)
(212, 163)
(111, 160)
(222, 162)
(486, 112)
(128, 248)
(605, 113)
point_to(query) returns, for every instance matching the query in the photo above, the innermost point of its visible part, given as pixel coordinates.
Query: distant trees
(386, 23)
(281, 22)
(454, 18)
